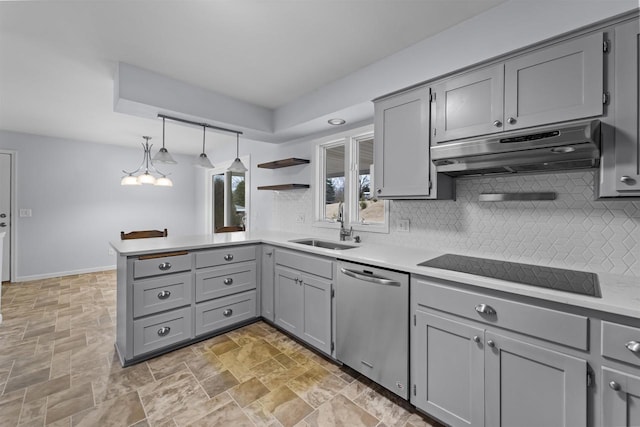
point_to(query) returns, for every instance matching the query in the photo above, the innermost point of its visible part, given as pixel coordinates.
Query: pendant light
(202, 161)
(237, 165)
(146, 172)
(163, 155)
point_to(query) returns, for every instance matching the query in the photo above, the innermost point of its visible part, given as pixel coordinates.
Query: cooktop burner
(577, 282)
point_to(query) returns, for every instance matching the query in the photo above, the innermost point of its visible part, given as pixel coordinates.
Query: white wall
(78, 205)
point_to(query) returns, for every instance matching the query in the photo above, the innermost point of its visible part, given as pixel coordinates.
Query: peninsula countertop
(620, 294)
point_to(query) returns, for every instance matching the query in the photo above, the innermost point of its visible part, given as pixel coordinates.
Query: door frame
(208, 199)
(13, 258)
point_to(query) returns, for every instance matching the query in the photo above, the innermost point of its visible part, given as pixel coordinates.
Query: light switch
(25, 213)
(403, 225)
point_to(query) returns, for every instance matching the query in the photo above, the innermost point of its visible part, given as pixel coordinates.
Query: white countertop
(620, 294)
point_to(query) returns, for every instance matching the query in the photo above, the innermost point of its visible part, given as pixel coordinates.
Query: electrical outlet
(403, 225)
(112, 251)
(300, 217)
(25, 213)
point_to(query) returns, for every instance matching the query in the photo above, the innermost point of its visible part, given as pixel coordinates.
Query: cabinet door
(469, 105)
(527, 385)
(401, 149)
(620, 399)
(627, 116)
(316, 303)
(288, 300)
(267, 282)
(447, 369)
(559, 83)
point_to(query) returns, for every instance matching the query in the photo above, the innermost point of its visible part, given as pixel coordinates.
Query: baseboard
(64, 273)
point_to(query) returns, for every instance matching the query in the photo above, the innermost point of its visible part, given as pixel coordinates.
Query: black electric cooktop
(577, 282)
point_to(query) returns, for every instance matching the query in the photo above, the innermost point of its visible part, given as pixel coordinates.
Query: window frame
(222, 167)
(350, 139)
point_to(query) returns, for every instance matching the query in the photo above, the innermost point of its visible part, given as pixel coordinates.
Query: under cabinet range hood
(565, 146)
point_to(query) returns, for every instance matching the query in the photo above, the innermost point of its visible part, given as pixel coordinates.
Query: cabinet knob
(614, 385)
(485, 309)
(164, 294)
(228, 257)
(511, 121)
(228, 281)
(165, 266)
(476, 338)
(491, 344)
(497, 123)
(627, 180)
(633, 346)
(164, 331)
(379, 190)
(228, 312)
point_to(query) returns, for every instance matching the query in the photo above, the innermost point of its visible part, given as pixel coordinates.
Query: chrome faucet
(344, 233)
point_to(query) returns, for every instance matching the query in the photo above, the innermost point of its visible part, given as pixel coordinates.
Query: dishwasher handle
(369, 277)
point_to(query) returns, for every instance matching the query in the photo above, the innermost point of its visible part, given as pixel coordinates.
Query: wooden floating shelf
(283, 187)
(292, 161)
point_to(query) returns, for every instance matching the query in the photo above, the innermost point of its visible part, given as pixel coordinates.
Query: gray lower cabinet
(620, 399)
(620, 167)
(303, 301)
(267, 277)
(223, 312)
(403, 167)
(161, 330)
(467, 372)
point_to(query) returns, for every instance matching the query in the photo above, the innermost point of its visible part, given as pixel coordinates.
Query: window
(226, 198)
(344, 175)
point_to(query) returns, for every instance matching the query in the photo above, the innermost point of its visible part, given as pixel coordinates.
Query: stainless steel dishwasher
(372, 324)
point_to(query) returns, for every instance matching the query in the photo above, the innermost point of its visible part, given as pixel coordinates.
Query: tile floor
(58, 368)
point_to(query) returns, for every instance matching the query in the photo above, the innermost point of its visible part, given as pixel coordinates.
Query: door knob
(614, 385)
(511, 121)
(497, 123)
(476, 338)
(491, 344)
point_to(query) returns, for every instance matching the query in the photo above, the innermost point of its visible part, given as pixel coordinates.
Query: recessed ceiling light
(336, 122)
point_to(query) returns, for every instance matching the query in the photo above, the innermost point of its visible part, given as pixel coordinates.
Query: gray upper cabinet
(469, 105)
(554, 84)
(622, 176)
(620, 399)
(403, 168)
(560, 83)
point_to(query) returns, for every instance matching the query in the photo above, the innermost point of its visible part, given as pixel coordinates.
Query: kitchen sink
(323, 244)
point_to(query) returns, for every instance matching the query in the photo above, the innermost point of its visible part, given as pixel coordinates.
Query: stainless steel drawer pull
(228, 257)
(228, 312)
(164, 294)
(164, 331)
(367, 277)
(165, 266)
(627, 180)
(614, 385)
(633, 346)
(485, 309)
(228, 281)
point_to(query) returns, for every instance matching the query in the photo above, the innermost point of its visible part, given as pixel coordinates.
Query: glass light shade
(202, 161)
(237, 166)
(129, 180)
(146, 178)
(163, 156)
(163, 181)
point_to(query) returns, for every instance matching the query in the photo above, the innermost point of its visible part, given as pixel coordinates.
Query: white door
(5, 212)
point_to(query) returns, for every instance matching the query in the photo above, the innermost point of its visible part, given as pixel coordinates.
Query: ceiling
(58, 58)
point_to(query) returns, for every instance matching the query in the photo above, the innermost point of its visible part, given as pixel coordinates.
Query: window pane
(334, 180)
(370, 210)
(218, 201)
(238, 213)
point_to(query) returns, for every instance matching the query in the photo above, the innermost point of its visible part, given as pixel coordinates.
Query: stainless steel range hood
(566, 146)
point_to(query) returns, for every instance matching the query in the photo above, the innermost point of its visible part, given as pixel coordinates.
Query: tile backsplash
(573, 231)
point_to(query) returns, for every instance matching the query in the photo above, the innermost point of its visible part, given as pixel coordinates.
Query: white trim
(13, 237)
(65, 273)
(222, 167)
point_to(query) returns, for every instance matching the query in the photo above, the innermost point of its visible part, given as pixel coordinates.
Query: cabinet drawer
(225, 256)
(223, 312)
(222, 281)
(162, 293)
(308, 263)
(619, 341)
(556, 326)
(161, 265)
(161, 330)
